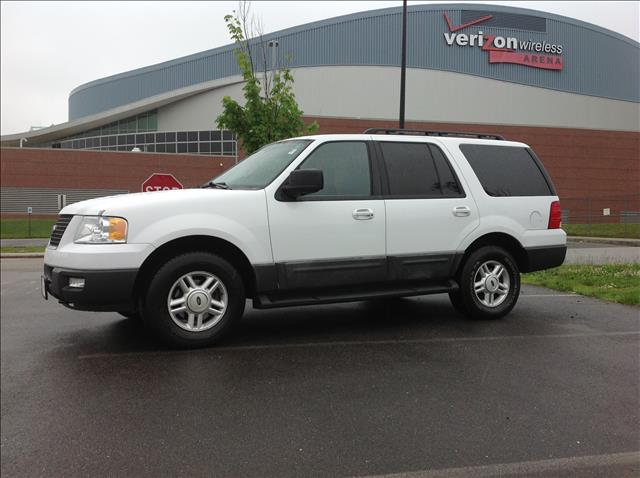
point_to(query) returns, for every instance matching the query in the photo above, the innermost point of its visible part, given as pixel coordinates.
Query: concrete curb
(617, 241)
(21, 255)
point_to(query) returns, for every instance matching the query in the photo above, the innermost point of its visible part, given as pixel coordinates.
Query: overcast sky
(49, 48)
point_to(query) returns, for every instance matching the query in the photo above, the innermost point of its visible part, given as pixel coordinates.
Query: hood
(123, 204)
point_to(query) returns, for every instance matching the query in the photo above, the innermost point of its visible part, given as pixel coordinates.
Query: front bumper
(104, 290)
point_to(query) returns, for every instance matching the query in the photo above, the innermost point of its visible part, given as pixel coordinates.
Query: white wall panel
(197, 112)
(372, 93)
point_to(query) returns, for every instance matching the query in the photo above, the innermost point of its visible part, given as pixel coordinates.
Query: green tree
(270, 112)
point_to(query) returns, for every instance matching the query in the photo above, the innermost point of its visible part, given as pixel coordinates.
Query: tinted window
(345, 167)
(448, 181)
(506, 170)
(411, 170)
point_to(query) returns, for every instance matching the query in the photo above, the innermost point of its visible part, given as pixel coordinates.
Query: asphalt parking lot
(404, 387)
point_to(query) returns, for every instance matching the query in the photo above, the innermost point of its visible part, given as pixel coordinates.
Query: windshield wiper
(214, 185)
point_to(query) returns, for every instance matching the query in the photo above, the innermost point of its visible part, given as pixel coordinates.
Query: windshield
(263, 166)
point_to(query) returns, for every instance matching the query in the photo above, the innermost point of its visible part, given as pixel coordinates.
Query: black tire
(155, 311)
(471, 304)
(131, 315)
(456, 301)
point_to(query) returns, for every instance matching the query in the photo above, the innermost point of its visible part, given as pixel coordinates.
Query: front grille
(59, 228)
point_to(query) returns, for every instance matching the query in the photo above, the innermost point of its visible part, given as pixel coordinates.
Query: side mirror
(303, 181)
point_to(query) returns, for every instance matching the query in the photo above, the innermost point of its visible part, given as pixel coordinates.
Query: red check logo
(465, 25)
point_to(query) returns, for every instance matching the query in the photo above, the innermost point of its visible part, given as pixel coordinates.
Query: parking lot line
(346, 343)
(552, 467)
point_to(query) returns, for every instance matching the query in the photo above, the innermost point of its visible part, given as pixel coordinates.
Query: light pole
(403, 66)
(273, 44)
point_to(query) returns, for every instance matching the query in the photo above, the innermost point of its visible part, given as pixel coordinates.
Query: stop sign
(161, 182)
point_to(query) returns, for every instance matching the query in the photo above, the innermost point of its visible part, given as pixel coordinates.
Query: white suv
(313, 220)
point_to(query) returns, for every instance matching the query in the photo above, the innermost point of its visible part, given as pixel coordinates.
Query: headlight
(101, 230)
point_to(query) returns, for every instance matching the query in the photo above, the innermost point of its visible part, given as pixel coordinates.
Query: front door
(336, 236)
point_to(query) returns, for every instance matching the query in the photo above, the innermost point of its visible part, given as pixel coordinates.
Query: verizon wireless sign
(503, 49)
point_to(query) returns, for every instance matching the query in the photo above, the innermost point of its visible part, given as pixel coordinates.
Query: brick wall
(64, 168)
(78, 169)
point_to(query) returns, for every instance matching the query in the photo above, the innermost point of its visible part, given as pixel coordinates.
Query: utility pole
(403, 67)
(273, 44)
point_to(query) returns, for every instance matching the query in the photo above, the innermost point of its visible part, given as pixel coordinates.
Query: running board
(313, 297)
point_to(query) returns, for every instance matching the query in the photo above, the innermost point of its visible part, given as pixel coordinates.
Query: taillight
(555, 215)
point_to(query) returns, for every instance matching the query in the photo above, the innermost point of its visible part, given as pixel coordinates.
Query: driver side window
(345, 167)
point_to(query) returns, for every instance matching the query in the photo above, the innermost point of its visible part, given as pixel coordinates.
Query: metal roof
(598, 62)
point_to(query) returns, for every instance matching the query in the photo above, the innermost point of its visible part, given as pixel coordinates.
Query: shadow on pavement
(388, 319)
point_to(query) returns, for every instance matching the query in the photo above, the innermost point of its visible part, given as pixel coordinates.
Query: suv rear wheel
(489, 284)
(193, 300)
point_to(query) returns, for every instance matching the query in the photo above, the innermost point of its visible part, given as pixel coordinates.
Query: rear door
(428, 209)
(335, 237)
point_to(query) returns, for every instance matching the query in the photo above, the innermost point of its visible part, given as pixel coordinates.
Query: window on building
(140, 131)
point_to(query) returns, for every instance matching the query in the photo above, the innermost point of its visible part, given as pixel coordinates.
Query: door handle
(363, 214)
(461, 211)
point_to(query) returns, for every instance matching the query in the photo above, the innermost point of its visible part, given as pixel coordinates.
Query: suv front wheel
(193, 299)
(489, 284)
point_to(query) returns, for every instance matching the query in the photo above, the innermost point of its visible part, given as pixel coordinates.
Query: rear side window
(506, 170)
(448, 182)
(418, 170)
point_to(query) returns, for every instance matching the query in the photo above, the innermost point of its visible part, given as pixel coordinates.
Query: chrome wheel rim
(197, 301)
(491, 284)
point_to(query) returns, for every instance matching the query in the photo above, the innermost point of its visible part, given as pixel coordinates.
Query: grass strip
(631, 231)
(19, 228)
(17, 249)
(613, 282)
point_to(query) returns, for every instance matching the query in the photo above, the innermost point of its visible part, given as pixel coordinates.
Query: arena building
(568, 88)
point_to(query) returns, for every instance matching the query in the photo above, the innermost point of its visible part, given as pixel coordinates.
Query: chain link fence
(607, 216)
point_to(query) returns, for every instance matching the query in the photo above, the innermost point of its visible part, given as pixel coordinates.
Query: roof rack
(459, 134)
